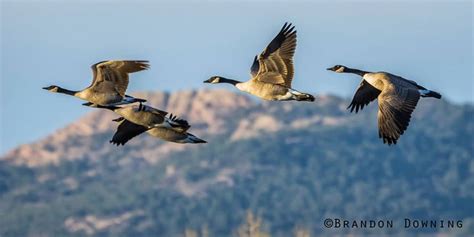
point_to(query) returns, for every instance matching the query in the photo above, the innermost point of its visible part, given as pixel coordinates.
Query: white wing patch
(424, 92)
(371, 78)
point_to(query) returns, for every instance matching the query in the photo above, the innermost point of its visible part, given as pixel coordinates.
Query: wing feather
(152, 110)
(275, 63)
(126, 131)
(396, 105)
(365, 94)
(255, 67)
(113, 74)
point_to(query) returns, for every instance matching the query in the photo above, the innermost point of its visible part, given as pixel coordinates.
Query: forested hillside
(291, 164)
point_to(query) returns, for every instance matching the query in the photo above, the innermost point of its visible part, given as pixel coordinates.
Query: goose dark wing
(152, 110)
(403, 81)
(181, 124)
(275, 63)
(396, 105)
(126, 131)
(113, 75)
(365, 94)
(94, 72)
(255, 66)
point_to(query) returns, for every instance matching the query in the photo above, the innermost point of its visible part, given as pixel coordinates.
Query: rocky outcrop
(206, 110)
(211, 113)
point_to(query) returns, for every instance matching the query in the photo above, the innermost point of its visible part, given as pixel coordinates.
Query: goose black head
(52, 88)
(338, 68)
(213, 80)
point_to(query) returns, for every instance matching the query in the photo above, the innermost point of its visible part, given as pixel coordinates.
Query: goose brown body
(266, 91)
(143, 115)
(171, 135)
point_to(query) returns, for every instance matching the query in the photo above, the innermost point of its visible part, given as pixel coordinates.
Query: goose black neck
(229, 81)
(355, 71)
(66, 91)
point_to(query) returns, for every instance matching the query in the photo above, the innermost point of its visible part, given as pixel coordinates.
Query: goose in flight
(272, 70)
(109, 83)
(128, 130)
(397, 98)
(147, 116)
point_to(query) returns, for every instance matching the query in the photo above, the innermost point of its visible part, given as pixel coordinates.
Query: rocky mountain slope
(205, 110)
(293, 164)
(210, 112)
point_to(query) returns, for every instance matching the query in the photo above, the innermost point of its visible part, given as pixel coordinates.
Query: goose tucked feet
(296, 95)
(299, 96)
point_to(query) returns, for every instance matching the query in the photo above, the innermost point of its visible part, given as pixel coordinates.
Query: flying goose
(128, 130)
(147, 116)
(397, 98)
(272, 70)
(109, 83)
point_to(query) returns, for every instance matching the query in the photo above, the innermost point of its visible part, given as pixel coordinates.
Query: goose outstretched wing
(275, 64)
(396, 105)
(365, 94)
(126, 131)
(113, 75)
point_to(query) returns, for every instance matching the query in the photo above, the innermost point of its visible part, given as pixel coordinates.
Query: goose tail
(193, 139)
(429, 93)
(131, 99)
(177, 123)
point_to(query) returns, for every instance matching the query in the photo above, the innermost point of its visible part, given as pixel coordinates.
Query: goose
(109, 83)
(128, 130)
(146, 116)
(397, 98)
(272, 71)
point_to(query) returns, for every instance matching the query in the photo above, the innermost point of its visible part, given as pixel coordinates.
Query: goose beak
(330, 69)
(207, 81)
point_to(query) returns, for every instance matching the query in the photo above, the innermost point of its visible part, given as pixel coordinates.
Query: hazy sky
(55, 42)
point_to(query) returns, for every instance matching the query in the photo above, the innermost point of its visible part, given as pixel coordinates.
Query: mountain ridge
(206, 110)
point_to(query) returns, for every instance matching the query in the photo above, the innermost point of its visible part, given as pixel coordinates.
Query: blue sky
(55, 42)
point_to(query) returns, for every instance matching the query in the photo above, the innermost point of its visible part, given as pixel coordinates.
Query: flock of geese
(272, 73)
